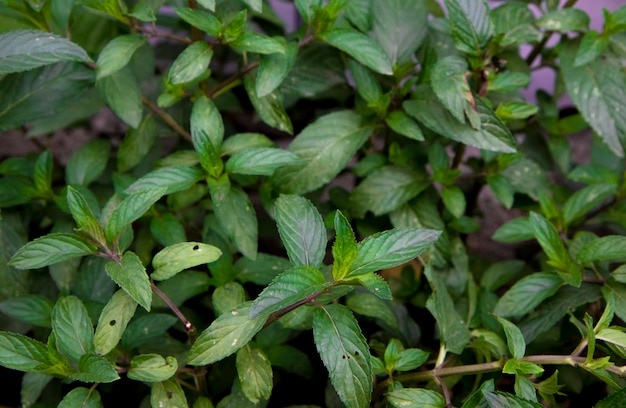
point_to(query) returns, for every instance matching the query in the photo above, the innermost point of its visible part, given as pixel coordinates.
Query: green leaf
(72, 327)
(182, 287)
(227, 334)
(527, 293)
(564, 20)
(509, 81)
(327, 146)
(191, 63)
(615, 400)
(449, 82)
(178, 257)
(208, 4)
(32, 309)
(345, 354)
(318, 68)
(522, 34)
(492, 135)
(42, 174)
(410, 359)
(242, 141)
(550, 241)
(367, 304)
(88, 163)
(344, 248)
(288, 288)
(202, 20)
(19, 352)
(598, 91)
(454, 200)
(515, 111)
(518, 229)
(95, 368)
(391, 248)
(416, 398)
(470, 23)
(23, 50)
(301, 230)
(593, 174)
(86, 221)
(365, 81)
(136, 144)
(375, 284)
(109, 7)
(269, 107)
(514, 338)
(609, 248)
(502, 399)
(386, 189)
(307, 9)
(262, 161)
(591, 47)
(227, 297)
(145, 328)
(121, 92)
(502, 189)
(262, 270)
(33, 385)
(171, 179)
(235, 214)
(454, 333)
(168, 394)
(400, 27)
(585, 199)
(273, 69)
(256, 5)
(361, 48)
(81, 397)
(131, 276)
(113, 321)
(41, 93)
(255, 374)
(135, 205)
(521, 368)
(117, 54)
(403, 124)
(259, 43)
(51, 249)
(152, 368)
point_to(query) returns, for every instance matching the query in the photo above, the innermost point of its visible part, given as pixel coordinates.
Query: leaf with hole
(178, 257)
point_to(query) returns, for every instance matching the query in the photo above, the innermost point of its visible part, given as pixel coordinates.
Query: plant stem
(277, 315)
(189, 327)
(166, 117)
(534, 53)
(224, 85)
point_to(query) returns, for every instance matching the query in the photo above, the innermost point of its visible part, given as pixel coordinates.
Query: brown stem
(169, 36)
(223, 85)
(277, 315)
(189, 327)
(166, 117)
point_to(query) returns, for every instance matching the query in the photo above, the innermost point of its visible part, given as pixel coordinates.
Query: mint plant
(305, 209)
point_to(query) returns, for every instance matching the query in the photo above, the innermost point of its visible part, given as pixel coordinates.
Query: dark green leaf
(288, 288)
(386, 189)
(615, 400)
(375, 284)
(367, 304)
(470, 23)
(269, 107)
(593, 174)
(136, 144)
(301, 230)
(327, 146)
(522, 34)
(181, 287)
(172, 179)
(502, 189)
(261, 44)
(410, 359)
(23, 50)
(72, 327)
(262, 270)
(345, 354)
(33, 385)
(307, 9)
(609, 248)
(51, 249)
(19, 352)
(401, 123)
(509, 81)
(168, 394)
(135, 205)
(255, 374)
(81, 397)
(391, 248)
(365, 81)
(501, 273)
(564, 20)
(585, 199)
(290, 359)
(95, 368)
(416, 398)
(121, 92)
(131, 276)
(518, 229)
(449, 82)
(514, 338)
(113, 321)
(32, 309)
(152, 368)
(191, 63)
(42, 175)
(146, 327)
(550, 241)
(206, 22)
(256, 5)
(87, 223)
(454, 200)
(502, 399)
(273, 69)
(117, 54)
(262, 161)
(318, 68)
(527, 293)
(227, 334)
(88, 163)
(178, 257)
(361, 48)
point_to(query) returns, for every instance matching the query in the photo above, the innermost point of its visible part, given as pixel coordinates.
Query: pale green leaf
(178, 257)
(255, 374)
(416, 398)
(168, 394)
(152, 368)
(564, 20)
(81, 397)
(172, 179)
(608, 248)
(19, 352)
(135, 205)
(113, 321)
(191, 63)
(262, 161)
(51, 249)
(361, 48)
(515, 111)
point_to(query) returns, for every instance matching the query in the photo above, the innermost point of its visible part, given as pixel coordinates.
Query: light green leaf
(51, 249)
(502, 189)
(454, 200)
(23, 50)
(96, 369)
(400, 27)
(598, 91)
(262, 161)
(403, 124)
(178, 257)
(344, 248)
(207, 4)
(202, 20)
(613, 336)
(307, 9)
(327, 146)
(301, 230)
(615, 400)
(255, 374)
(585, 199)
(416, 398)
(386, 189)
(345, 354)
(227, 334)
(410, 359)
(86, 221)
(117, 54)
(492, 135)
(88, 163)
(470, 23)
(171, 179)
(32, 309)
(235, 214)
(19, 352)
(131, 276)
(81, 397)
(242, 141)
(550, 241)
(564, 20)
(152, 368)
(259, 43)
(591, 47)
(191, 63)
(72, 327)
(121, 92)
(367, 304)
(593, 174)
(503, 399)
(288, 288)
(449, 82)
(391, 248)
(509, 81)
(168, 394)
(269, 107)
(375, 284)
(136, 144)
(515, 111)
(522, 34)
(113, 321)
(514, 338)
(608, 248)
(361, 48)
(527, 293)
(518, 229)
(256, 5)
(273, 69)
(510, 15)
(135, 205)
(227, 297)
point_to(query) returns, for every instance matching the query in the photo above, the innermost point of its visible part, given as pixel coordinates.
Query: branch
(166, 117)
(225, 85)
(189, 328)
